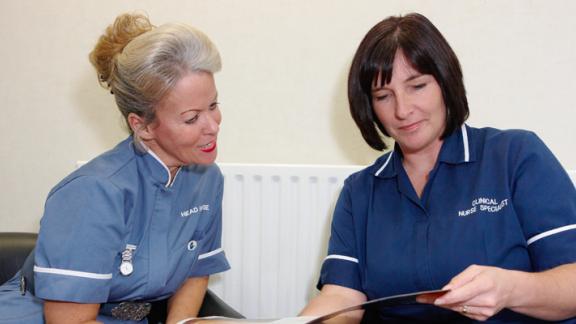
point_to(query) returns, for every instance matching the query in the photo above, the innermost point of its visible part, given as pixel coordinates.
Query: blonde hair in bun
(117, 36)
(140, 63)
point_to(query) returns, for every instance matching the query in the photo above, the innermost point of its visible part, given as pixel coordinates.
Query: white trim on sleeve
(550, 232)
(73, 273)
(341, 257)
(209, 254)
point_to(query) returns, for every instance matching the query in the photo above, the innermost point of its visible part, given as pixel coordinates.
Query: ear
(140, 128)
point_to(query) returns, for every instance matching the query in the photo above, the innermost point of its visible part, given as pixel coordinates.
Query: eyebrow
(410, 78)
(215, 100)
(189, 110)
(415, 76)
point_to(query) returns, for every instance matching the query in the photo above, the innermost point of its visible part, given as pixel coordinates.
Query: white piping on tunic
(209, 254)
(550, 232)
(385, 164)
(341, 257)
(465, 140)
(149, 151)
(170, 181)
(73, 273)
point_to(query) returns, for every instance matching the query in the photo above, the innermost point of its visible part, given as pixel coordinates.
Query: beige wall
(282, 87)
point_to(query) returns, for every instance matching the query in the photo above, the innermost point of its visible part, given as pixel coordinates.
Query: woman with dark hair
(488, 215)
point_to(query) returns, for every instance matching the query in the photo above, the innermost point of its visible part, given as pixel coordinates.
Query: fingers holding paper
(479, 292)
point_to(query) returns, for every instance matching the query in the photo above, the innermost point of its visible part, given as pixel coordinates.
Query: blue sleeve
(81, 233)
(211, 257)
(545, 200)
(341, 265)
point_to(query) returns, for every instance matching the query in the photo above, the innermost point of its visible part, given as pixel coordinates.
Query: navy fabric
(496, 198)
(124, 197)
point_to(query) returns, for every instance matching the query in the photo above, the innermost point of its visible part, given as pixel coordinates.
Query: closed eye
(192, 120)
(419, 85)
(214, 105)
(380, 95)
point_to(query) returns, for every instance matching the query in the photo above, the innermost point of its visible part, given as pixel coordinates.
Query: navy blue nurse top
(495, 198)
(124, 197)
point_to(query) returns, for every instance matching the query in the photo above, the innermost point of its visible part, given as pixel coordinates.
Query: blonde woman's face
(187, 121)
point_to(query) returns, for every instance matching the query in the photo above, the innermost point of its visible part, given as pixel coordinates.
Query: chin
(203, 161)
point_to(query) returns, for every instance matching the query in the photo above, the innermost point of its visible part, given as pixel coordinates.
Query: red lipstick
(209, 148)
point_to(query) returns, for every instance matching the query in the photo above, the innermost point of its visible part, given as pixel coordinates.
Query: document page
(390, 301)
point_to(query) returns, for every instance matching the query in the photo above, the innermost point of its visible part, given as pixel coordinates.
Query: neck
(418, 165)
(423, 160)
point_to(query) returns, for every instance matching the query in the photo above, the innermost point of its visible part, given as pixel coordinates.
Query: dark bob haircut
(425, 49)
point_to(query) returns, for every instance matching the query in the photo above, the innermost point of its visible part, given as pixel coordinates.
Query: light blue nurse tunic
(123, 198)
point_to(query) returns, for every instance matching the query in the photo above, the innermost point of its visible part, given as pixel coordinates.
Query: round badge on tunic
(126, 268)
(192, 245)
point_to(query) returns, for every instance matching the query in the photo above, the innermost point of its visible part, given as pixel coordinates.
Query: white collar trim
(149, 151)
(466, 144)
(385, 164)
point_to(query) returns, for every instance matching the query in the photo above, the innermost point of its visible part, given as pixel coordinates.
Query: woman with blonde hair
(141, 222)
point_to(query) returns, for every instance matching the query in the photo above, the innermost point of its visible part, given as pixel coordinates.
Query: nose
(403, 106)
(212, 125)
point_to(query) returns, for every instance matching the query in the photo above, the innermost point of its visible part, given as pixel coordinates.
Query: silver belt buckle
(131, 311)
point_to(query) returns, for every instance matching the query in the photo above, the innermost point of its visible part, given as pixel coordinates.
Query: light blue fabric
(122, 198)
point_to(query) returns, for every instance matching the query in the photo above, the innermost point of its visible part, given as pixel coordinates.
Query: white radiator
(276, 224)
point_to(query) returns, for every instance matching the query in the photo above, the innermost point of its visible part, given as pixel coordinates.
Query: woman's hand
(479, 292)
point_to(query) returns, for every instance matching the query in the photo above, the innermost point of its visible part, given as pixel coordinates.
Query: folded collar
(157, 169)
(456, 149)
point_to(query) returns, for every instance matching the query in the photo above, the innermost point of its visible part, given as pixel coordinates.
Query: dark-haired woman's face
(410, 107)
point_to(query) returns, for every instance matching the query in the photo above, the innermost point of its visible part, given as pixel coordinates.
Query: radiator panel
(276, 224)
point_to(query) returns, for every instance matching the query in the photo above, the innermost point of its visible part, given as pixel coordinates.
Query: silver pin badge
(192, 245)
(126, 267)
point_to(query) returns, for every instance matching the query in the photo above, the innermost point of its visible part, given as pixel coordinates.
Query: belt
(126, 311)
